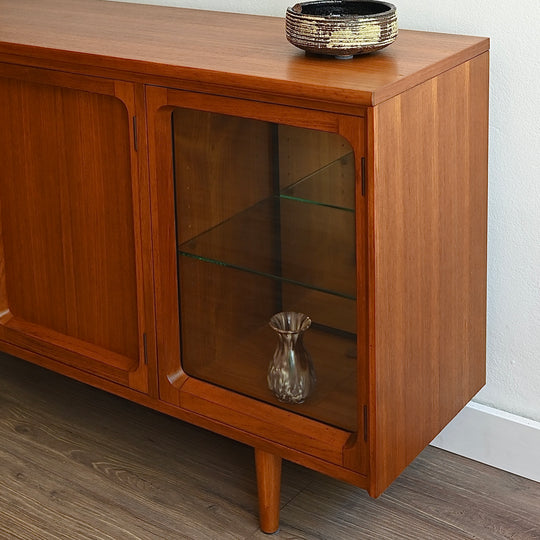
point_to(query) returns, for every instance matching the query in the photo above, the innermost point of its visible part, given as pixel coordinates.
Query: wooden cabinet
(163, 194)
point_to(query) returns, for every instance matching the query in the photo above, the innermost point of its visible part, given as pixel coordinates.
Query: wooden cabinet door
(222, 188)
(72, 276)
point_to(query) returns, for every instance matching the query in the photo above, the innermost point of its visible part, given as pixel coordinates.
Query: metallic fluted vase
(291, 376)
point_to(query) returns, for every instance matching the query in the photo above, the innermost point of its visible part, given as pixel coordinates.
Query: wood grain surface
(268, 467)
(77, 463)
(219, 49)
(428, 236)
(71, 218)
(67, 227)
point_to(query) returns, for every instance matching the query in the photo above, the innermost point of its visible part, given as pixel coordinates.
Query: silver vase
(291, 376)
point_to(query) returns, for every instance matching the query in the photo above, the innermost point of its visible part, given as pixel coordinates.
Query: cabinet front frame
(277, 427)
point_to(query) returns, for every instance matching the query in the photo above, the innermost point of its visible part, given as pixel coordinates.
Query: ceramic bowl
(342, 28)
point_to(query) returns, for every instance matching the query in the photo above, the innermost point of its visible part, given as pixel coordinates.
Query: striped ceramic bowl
(341, 28)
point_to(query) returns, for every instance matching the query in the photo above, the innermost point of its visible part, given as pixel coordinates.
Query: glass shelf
(331, 185)
(299, 245)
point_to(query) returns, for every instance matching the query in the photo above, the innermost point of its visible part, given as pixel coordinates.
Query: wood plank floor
(77, 463)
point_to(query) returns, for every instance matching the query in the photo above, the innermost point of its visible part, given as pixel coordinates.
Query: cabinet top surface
(216, 49)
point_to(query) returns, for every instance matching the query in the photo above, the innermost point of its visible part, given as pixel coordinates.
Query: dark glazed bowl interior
(342, 9)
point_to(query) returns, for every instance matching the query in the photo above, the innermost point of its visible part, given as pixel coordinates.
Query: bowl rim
(297, 9)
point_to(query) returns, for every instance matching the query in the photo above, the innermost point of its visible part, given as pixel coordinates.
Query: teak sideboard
(172, 178)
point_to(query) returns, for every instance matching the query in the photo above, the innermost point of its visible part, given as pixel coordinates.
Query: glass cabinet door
(265, 224)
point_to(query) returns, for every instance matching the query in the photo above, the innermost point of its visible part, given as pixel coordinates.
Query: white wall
(513, 356)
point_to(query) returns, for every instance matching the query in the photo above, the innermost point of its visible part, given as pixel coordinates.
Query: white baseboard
(494, 437)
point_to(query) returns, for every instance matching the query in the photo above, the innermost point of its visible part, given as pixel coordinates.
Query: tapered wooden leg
(269, 487)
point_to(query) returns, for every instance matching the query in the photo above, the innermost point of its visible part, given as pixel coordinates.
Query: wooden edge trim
(57, 78)
(264, 420)
(431, 71)
(240, 107)
(371, 174)
(80, 354)
(315, 103)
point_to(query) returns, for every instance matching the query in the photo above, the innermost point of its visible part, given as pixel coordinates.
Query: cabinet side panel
(67, 214)
(428, 233)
